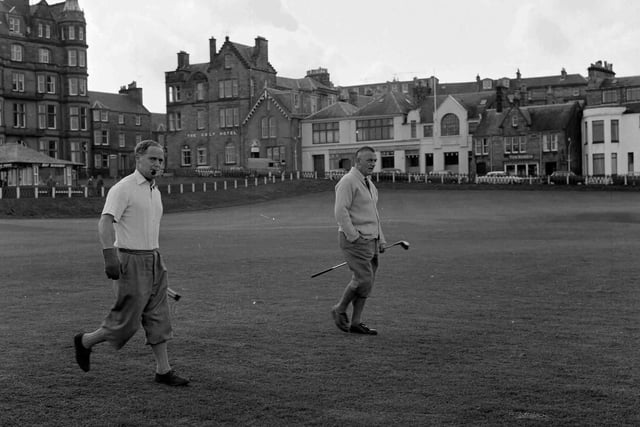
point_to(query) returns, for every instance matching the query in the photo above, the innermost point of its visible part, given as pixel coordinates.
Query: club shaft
(173, 294)
(329, 269)
(403, 243)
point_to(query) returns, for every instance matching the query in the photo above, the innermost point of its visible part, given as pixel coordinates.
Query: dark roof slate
(616, 82)
(540, 118)
(14, 153)
(545, 81)
(390, 103)
(303, 84)
(116, 102)
(334, 111)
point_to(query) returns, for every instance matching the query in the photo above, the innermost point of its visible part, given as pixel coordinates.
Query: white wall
(606, 114)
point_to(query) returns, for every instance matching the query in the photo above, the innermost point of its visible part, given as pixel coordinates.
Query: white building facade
(404, 137)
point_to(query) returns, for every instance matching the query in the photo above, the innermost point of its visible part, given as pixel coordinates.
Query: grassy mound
(79, 207)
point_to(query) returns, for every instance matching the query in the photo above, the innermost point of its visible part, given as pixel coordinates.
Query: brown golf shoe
(341, 320)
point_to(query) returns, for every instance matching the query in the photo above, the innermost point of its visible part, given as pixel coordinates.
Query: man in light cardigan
(361, 239)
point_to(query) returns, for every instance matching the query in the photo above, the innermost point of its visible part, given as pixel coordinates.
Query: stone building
(528, 140)
(233, 107)
(272, 127)
(611, 123)
(118, 121)
(207, 102)
(44, 102)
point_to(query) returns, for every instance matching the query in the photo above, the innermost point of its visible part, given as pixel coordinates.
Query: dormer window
(14, 25)
(487, 84)
(227, 61)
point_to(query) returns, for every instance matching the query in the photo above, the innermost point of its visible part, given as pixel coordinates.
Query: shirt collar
(357, 172)
(140, 179)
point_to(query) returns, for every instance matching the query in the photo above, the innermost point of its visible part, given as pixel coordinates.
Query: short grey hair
(143, 146)
(363, 149)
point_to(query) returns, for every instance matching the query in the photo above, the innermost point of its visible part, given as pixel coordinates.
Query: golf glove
(111, 263)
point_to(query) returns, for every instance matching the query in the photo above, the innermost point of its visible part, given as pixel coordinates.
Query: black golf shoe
(363, 329)
(83, 354)
(171, 378)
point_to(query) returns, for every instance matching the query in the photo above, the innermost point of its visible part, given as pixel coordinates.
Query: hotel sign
(206, 134)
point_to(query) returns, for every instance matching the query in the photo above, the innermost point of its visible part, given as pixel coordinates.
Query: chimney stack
(599, 71)
(320, 75)
(261, 52)
(183, 59)
(212, 49)
(132, 91)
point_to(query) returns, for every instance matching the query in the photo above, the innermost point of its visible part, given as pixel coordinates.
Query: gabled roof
(42, 10)
(334, 111)
(115, 102)
(281, 99)
(390, 103)
(14, 153)
(246, 55)
(540, 117)
(523, 112)
(426, 108)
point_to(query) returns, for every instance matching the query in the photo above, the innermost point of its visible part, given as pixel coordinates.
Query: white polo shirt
(136, 206)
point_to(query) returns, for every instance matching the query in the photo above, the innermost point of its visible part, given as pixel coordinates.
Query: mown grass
(510, 308)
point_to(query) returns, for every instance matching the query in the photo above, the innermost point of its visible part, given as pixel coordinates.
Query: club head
(404, 244)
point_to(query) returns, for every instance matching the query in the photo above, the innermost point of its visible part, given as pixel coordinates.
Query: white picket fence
(34, 192)
(234, 183)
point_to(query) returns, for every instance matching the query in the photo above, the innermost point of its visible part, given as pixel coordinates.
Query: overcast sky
(362, 41)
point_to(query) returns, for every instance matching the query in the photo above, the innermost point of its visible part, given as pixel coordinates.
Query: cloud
(275, 13)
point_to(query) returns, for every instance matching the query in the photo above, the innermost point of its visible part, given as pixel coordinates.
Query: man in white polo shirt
(128, 231)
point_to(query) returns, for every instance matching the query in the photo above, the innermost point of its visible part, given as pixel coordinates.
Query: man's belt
(137, 251)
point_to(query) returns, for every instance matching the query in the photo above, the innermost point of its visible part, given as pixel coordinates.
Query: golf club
(403, 243)
(173, 294)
